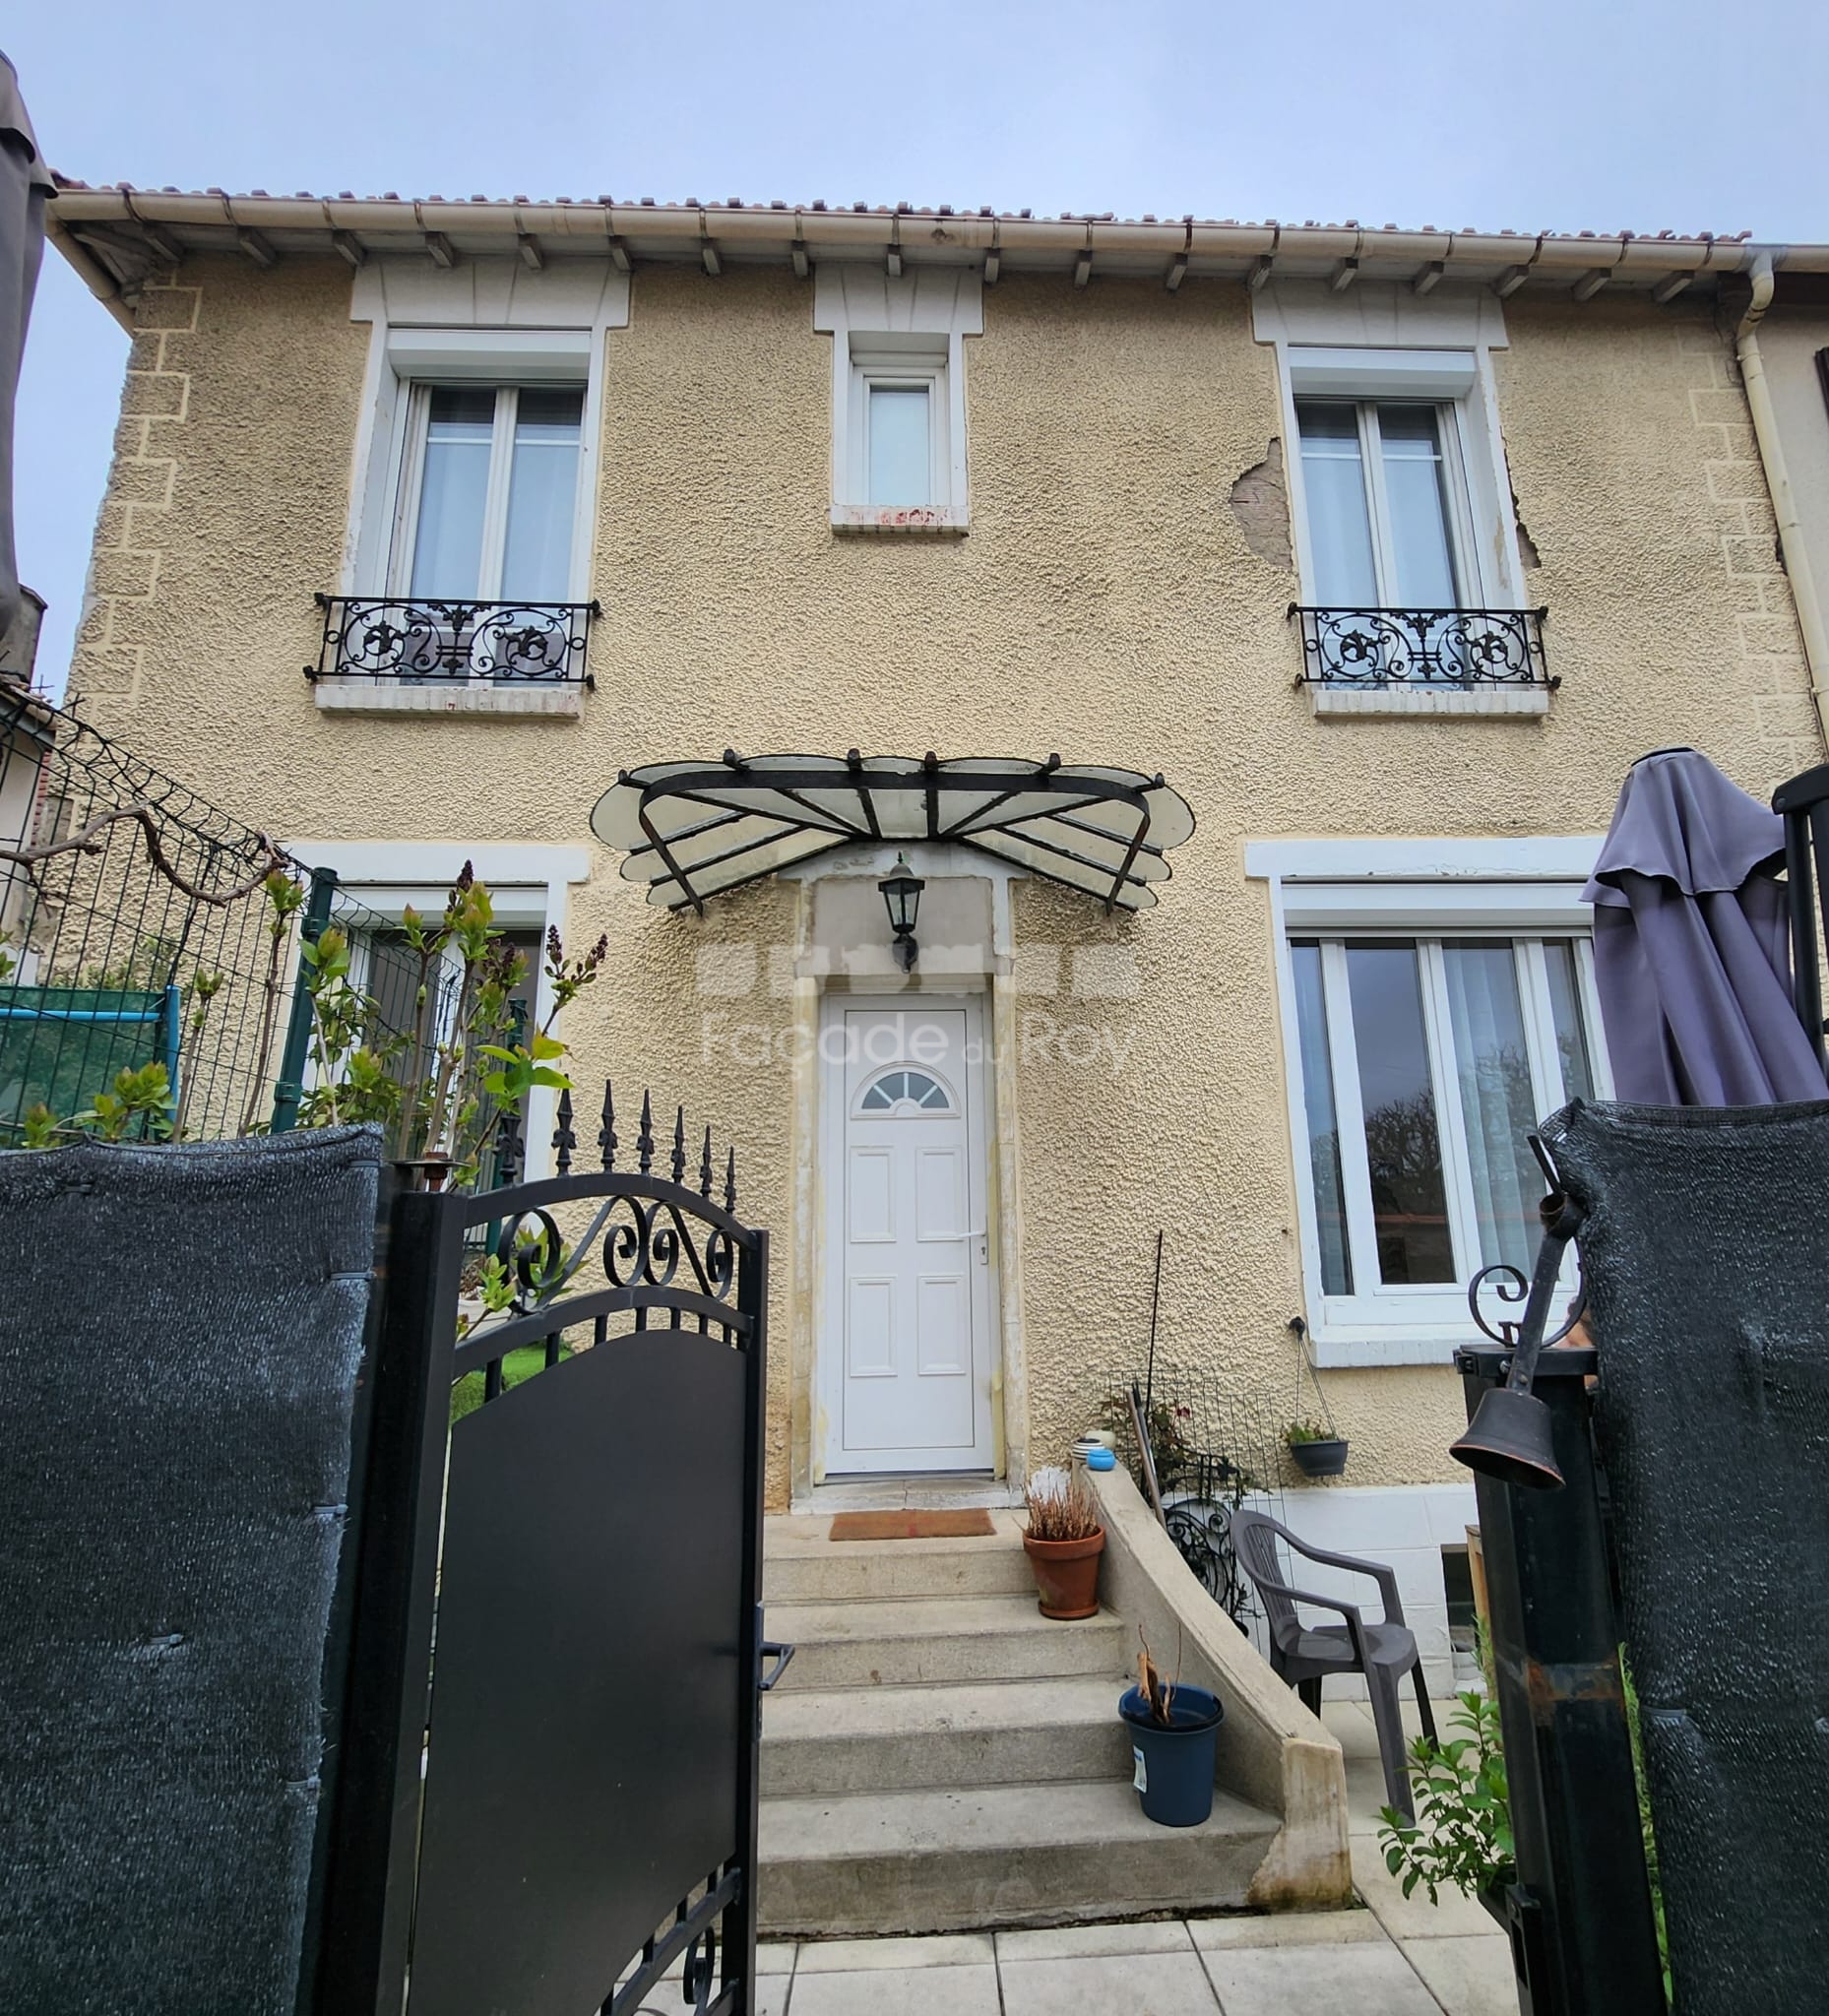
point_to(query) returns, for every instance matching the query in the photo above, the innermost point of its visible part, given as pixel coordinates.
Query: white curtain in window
(453, 489)
(1493, 1068)
(1339, 517)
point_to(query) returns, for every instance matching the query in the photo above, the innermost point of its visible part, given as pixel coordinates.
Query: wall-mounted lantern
(902, 898)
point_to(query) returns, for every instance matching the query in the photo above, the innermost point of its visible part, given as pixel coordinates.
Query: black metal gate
(546, 1794)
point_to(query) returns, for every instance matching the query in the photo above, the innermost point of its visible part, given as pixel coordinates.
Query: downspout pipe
(1790, 539)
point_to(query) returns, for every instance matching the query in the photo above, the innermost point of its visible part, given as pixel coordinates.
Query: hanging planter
(1317, 1448)
(1314, 1451)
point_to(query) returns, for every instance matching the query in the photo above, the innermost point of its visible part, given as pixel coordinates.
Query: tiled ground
(1399, 1957)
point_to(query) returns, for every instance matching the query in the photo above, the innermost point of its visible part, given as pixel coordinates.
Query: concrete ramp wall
(1272, 1751)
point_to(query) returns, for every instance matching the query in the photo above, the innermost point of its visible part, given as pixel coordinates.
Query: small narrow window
(901, 444)
(898, 453)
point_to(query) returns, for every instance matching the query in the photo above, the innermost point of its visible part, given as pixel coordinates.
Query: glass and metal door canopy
(692, 830)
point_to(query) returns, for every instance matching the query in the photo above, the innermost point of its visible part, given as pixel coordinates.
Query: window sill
(485, 697)
(1492, 702)
(929, 521)
(1396, 1346)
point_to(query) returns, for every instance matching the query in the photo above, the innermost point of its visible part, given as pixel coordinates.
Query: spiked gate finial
(508, 1152)
(563, 1139)
(606, 1134)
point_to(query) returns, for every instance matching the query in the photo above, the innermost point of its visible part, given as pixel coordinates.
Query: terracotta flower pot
(1066, 1574)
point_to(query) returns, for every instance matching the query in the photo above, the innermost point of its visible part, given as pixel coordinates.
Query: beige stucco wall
(1790, 338)
(1105, 604)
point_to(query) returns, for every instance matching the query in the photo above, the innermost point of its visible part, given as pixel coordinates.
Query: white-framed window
(1389, 518)
(531, 884)
(901, 458)
(898, 393)
(1426, 1063)
(1437, 1001)
(1399, 491)
(489, 493)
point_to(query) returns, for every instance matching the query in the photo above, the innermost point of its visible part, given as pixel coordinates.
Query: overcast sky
(1563, 115)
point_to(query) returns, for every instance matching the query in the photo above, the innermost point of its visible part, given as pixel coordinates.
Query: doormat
(912, 1525)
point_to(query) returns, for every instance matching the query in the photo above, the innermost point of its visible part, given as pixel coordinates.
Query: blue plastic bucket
(1174, 1766)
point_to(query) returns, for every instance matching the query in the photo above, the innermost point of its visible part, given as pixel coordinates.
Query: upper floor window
(1411, 594)
(898, 443)
(488, 494)
(1386, 492)
(897, 395)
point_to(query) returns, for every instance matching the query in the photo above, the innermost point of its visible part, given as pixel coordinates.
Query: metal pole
(292, 1058)
(1156, 1302)
(1583, 1939)
(752, 1298)
(170, 1029)
(516, 1034)
(363, 1952)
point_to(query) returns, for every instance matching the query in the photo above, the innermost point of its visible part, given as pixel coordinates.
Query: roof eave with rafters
(119, 237)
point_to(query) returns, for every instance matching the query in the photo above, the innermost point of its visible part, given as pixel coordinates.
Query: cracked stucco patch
(1260, 501)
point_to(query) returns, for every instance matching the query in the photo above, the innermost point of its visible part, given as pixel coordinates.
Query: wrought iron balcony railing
(417, 639)
(1455, 647)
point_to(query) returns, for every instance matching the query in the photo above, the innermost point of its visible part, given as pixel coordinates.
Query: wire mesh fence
(1214, 1448)
(141, 925)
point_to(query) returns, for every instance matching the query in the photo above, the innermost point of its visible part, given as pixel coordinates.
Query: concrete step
(839, 1571)
(861, 1739)
(919, 1640)
(949, 1860)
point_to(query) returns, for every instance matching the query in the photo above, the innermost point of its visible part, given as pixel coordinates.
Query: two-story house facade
(1280, 609)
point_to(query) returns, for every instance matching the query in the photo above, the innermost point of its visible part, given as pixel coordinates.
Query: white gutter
(1790, 540)
(857, 234)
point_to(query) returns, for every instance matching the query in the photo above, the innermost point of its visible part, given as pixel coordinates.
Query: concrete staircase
(939, 1756)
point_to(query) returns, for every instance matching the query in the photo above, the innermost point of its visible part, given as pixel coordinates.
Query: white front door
(905, 1354)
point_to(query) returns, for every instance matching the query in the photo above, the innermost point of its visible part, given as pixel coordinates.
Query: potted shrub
(1461, 1838)
(1315, 1451)
(1174, 1738)
(1063, 1542)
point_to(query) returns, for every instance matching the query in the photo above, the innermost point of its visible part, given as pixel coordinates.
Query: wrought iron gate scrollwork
(593, 1721)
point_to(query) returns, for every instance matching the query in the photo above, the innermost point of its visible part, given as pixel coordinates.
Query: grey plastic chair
(1305, 1654)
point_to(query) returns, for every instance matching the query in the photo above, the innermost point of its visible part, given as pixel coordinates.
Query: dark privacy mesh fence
(137, 927)
(1706, 1249)
(180, 1333)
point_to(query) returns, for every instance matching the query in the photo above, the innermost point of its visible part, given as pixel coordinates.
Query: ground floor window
(1426, 1065)
(416, 1004)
